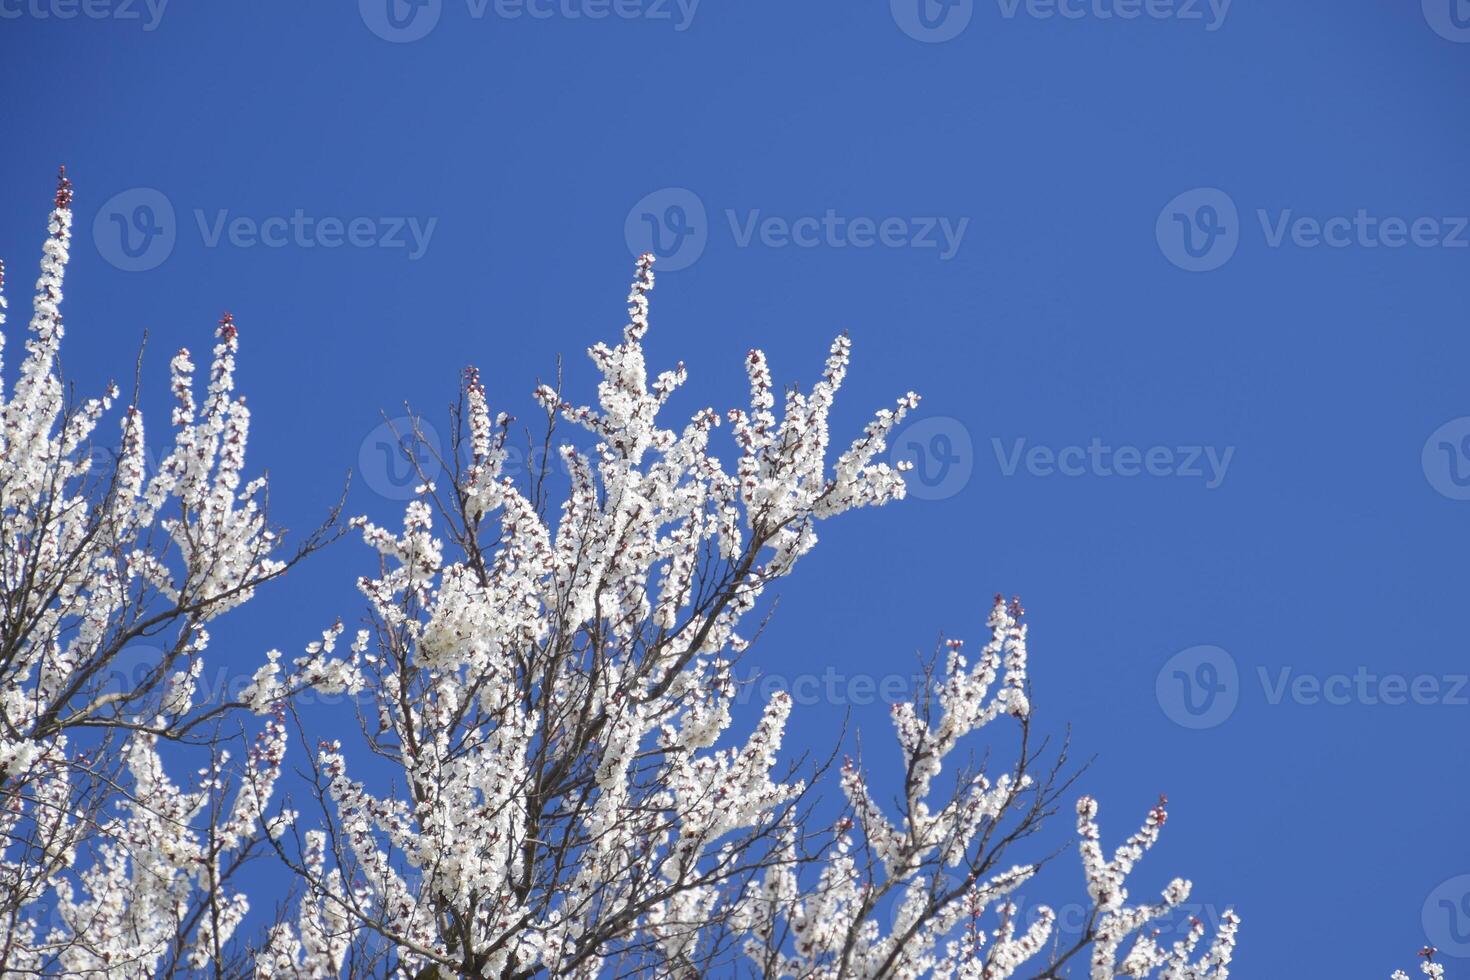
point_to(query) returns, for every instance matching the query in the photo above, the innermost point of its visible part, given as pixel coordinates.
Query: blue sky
(1184, 291)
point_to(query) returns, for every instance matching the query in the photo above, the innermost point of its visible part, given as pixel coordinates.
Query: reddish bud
(63, 190)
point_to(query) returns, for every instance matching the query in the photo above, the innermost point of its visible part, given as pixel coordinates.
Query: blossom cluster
(108, 865)
(559, 699)
(553, 689)
(939, 864)
(558, 689)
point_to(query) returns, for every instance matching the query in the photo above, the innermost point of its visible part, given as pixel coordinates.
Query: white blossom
(559, 699)
(552, 688)
(110, 867)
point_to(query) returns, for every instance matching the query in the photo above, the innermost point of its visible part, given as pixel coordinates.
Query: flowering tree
(108, 867)
(555, 697)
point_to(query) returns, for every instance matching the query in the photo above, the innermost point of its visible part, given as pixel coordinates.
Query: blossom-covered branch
(557, 697)
(553, 691)
(108, 867)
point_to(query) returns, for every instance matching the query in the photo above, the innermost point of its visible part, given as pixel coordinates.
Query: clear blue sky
(1125, 269)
